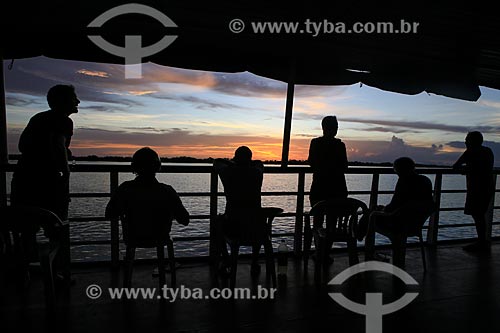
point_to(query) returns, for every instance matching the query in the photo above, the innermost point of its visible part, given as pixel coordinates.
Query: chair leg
(161, 265)
(307, 240)
(352, 248)
(46, 259)
(171, 260)
(370, 240)
(270, 267)
(320, 255)
(129, 263)
(235, 248)
(399, 251)
(422, 249)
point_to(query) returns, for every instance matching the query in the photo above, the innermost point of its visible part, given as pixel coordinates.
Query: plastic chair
(405, 222)
(341, 217)
(235, 241)
(19, 225)
(147, 239)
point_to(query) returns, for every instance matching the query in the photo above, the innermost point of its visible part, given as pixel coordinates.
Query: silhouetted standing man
(41, 177)
(328, 160)
(478, 161)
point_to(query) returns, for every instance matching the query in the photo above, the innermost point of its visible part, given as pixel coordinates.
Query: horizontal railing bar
(103, 219)
(175, 239)
(274, 235)
(267, 169)
(90, 195)
(219, 194)
(206, 216)
(456, 225)
(90, 242)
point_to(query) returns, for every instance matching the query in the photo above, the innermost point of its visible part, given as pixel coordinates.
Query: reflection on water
(99, 183)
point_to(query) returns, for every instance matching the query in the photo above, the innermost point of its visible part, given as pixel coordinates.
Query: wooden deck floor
(459, 293)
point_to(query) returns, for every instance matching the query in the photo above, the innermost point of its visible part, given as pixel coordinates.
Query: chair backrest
(16, 221)
(341, 215)
(145, 232)
(27, 219)
(414, 214)
(147, 214)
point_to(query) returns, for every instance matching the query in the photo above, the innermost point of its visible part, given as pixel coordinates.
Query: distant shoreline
(187, 159)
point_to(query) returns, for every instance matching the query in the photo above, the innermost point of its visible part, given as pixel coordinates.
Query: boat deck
(459, 293)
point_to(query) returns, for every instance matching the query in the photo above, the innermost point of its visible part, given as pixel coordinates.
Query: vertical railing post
(432, 232)
(490, 212)
(3, 185)
(4, 154)
(115, 230)
(374, 191)
(214, 189)
(299, 214)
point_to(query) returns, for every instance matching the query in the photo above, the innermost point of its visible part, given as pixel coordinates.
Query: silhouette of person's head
(62, 98)
(146, 162)
(330, 126)
(242, 155)
(404, 166)
(473, 139)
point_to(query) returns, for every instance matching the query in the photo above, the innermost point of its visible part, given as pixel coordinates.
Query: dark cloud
(154, 129)
(304, 135)
(21, 100)
(249, 85)
(494, 146)
(388, 151)
(399, 126)
(200, 103)
(456, 144)
(389, 130)
(423, 125)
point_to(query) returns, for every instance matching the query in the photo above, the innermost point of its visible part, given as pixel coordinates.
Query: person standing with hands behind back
(328, 161)
(477, 164)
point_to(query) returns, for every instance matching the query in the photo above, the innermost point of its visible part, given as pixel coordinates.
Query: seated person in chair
(411, 187)
(242, 180)
(147, 201)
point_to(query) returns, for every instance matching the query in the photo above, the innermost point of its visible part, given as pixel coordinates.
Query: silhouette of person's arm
(221, 164)
(25, 141)
(259, 166)
(343, 157)
(459, 164)
(115, 206)
(59, 152)
(397, 199)
(179, 212)
(313, 155)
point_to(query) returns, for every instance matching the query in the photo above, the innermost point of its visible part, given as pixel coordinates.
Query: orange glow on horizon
(261, 151)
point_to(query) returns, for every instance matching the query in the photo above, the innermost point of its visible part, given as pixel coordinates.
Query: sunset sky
(182, 112)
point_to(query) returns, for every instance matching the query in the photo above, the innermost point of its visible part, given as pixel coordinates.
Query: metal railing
(300, 194)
